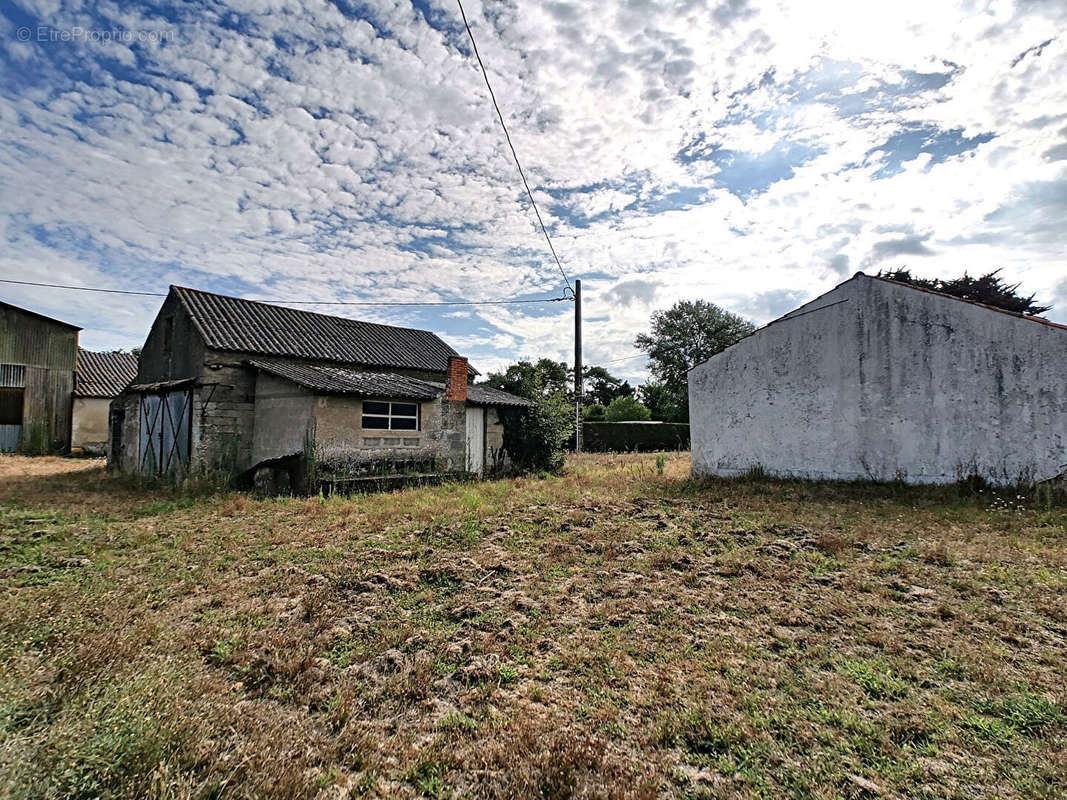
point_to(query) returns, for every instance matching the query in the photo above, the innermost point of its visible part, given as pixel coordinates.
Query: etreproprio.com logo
(78, 34)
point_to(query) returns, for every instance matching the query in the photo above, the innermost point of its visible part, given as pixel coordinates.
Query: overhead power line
(302, 302)
(514, 155)
(628, 358)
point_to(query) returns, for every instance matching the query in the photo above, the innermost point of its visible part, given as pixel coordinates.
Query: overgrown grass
(618, 631)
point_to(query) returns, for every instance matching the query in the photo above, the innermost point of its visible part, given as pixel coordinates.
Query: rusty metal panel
(30, 339)
(61, 383)
(39, 354)
(36, 416)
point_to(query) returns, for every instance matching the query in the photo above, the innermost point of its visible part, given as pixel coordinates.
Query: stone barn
(882, 380)
(37, 361)
(232, 388)
(98, 378)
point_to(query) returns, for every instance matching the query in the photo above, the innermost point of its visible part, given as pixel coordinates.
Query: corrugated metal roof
(329, 379)
(103, 374)
(247, 326)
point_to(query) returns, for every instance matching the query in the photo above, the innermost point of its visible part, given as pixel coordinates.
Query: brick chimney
(456, 387)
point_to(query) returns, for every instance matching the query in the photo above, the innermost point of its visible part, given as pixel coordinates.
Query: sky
(753, 154)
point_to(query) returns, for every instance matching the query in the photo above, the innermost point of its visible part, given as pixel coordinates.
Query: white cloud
(283, 149)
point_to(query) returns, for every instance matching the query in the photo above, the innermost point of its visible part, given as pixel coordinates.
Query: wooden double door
(165, 434)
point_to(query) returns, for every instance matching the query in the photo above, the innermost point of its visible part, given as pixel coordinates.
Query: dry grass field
(619, 631)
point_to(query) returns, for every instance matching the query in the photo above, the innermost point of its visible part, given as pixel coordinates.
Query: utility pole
(577, 366)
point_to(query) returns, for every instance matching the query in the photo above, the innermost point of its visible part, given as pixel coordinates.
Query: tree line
(692, 331)
(679, 337)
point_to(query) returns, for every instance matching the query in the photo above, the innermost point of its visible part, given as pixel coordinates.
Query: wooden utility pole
(577, 366)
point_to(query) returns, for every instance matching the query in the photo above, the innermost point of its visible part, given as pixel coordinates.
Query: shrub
(537, 436)
(624, 409)
(626, 437)
(594, 413)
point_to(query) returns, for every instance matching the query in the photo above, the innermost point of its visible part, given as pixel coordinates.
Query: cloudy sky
(750, 153)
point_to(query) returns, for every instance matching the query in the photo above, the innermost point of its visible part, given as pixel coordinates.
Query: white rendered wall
(877, 380)
(89, 423)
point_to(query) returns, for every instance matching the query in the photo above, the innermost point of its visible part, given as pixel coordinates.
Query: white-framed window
(388, 416)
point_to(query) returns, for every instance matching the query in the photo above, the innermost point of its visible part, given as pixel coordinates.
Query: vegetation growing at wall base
(35, 441)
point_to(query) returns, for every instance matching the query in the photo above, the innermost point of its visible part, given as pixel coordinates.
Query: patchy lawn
(619, 631)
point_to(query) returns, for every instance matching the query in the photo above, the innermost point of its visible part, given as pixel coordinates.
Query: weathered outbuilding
(99, 378)
(37, 361)
(229, 387)
(882, 380)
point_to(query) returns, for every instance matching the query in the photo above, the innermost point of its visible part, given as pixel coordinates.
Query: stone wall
(172, 356)
(454, 434)
(223, 417)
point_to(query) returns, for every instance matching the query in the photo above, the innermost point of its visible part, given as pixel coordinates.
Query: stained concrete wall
(122, 448)
(883, 381)
(283, 418)
(89, 426)
(179, 357)
(339, 431)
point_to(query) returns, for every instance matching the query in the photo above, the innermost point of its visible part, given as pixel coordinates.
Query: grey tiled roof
(330, 379)
(103, 374)
(247, 326)
(487, 396)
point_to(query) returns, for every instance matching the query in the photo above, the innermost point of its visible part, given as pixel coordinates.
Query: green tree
(989, 289)
(685, 334)
(626, 409)
(601, 387)
(661, 402)
(542, 378)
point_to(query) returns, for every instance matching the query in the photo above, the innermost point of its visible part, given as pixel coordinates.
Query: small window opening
(11, 406)
(382, 416)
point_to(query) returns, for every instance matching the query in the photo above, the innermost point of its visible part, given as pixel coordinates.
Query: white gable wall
(877, 380)
(782, 398)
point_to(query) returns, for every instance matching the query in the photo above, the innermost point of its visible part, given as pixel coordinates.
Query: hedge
(625, 437)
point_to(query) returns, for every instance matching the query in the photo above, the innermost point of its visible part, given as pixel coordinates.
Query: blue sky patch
(908, 143)
(746, 174)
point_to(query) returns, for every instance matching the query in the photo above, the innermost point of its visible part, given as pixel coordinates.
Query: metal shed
(38, 356)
